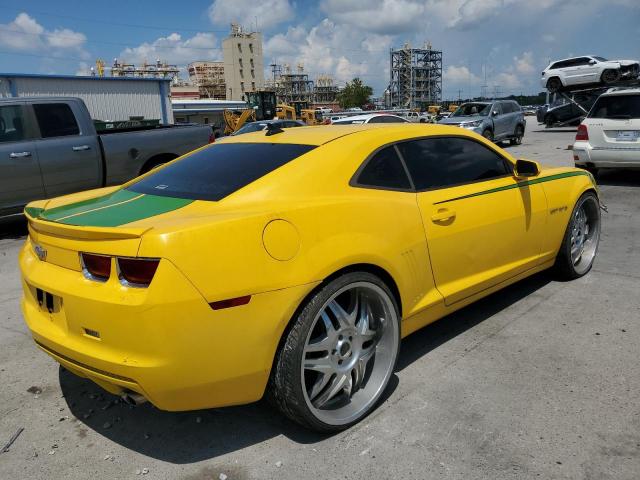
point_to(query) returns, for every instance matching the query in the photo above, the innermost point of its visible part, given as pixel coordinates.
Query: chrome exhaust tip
(133, 398)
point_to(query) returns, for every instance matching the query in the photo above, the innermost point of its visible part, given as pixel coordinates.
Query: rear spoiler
(82, 233)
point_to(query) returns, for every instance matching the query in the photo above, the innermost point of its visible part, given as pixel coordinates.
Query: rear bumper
(164, 342)
(621, 157)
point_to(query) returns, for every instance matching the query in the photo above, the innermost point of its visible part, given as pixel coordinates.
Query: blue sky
(510, 41)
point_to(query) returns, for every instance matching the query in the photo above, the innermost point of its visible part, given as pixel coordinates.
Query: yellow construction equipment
(453, 108)
(311, 116)
(285, 112)
(235, 119)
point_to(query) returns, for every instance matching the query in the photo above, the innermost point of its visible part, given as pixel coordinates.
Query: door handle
(19, 154)
(443, 215)
(80, 148)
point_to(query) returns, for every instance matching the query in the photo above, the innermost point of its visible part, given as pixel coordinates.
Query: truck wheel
(517, 136)
(554, 84)
(338, 356)
(581, 239)
(610, 76)
(488, 134)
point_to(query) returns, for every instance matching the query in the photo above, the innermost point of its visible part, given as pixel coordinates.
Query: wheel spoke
(363, 326)
(322, 364)
(344, 318)
(337, 385)
(323, 345)
(319, 385)
(358, 373)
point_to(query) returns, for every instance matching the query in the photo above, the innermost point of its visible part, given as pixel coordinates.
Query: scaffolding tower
(325, 92)
(209, 78)
(293, 88)
(416, 77)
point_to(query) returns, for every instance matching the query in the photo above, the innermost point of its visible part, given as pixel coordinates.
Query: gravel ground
(537, 381)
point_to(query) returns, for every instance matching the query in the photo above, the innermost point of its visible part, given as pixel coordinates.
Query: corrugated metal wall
(106, 99)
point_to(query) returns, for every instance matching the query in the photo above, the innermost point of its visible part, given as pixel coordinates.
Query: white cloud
(174, 50)
(524, 64)
(378, 16)
(459, 75)
(25, 34)
(268, 13)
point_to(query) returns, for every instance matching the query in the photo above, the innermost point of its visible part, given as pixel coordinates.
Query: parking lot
(537, 381)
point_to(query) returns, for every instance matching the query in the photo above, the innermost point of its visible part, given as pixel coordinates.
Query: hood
(459, 120)
(624, 62)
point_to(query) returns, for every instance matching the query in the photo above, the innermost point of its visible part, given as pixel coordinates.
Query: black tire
(285, 389)
(610, 76)
(488, 134)
(550, 120)
(517, 136)
(554, 84)
(564, 266)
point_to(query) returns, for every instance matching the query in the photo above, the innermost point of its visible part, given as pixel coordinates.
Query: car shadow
(189, 437)
(13, 228)
(619, 178)
(542, 129)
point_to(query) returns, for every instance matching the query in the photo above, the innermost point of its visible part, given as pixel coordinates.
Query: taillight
(96, 267)
(212, 137)
(582, 133)
(232, 302)
(137, 272)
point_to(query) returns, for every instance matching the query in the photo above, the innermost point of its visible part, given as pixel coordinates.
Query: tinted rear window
(219, 170)
(55, 120)
(616, 106)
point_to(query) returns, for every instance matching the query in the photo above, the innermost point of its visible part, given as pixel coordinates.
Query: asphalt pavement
(540, 380)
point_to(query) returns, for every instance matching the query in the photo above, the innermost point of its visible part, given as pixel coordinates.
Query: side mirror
(494, 113)
(526, 168)
(592, 62)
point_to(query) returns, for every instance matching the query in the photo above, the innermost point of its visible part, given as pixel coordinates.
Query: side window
(12, 124)
(448, 161)
(384, 170)
(582, 61)
(496, 107)
(55, 120)
(390, 119)
(507, 107)
(379, 119)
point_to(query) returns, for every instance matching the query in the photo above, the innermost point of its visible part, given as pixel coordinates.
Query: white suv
(587, 70)
(610, 135)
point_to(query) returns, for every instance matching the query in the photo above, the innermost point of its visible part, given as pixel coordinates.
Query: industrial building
(325, 93)
(292, 88)
(209, 78)
(243, 62)
(146, 70)
(107, 98)
(416, 77)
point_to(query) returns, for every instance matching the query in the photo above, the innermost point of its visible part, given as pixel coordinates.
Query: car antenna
(272, 129)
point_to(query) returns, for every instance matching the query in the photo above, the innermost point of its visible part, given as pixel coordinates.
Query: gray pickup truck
(49, 146)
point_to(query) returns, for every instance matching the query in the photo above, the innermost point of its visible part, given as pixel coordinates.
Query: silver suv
(496, 121)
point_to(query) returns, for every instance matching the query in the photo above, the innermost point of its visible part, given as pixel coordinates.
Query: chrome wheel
(584, 234)
(349, 353)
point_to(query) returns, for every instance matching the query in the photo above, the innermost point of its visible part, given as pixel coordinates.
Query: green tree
(354, 94)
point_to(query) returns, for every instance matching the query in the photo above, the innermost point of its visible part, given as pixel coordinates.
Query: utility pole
(459, 92)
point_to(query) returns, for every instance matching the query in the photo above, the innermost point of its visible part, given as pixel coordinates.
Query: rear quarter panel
(562, 195)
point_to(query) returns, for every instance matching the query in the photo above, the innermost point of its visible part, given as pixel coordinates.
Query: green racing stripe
(112, 210)
(517, 185)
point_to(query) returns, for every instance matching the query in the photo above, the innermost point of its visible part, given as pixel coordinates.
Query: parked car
(49, 147)
(324, 110)
(264, 124)
(370, 118)
(610, 135)
(496, 121)
(589, 69)
(565, 112)
(418, 117)
(291, 266)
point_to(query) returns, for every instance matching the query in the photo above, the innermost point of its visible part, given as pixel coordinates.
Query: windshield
(251, 127)
(472, 110)
(218, 170)
(621, 107)
(601, 59)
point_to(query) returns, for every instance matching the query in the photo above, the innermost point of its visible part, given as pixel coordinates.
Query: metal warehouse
(107, 98)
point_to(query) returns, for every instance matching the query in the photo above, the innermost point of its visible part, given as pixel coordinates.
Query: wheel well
(552, 78)
(156, 160)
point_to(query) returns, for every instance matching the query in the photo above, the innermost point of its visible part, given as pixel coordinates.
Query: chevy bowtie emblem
(40, 252)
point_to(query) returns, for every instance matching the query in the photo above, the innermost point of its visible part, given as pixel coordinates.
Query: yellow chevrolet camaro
(291, 263)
